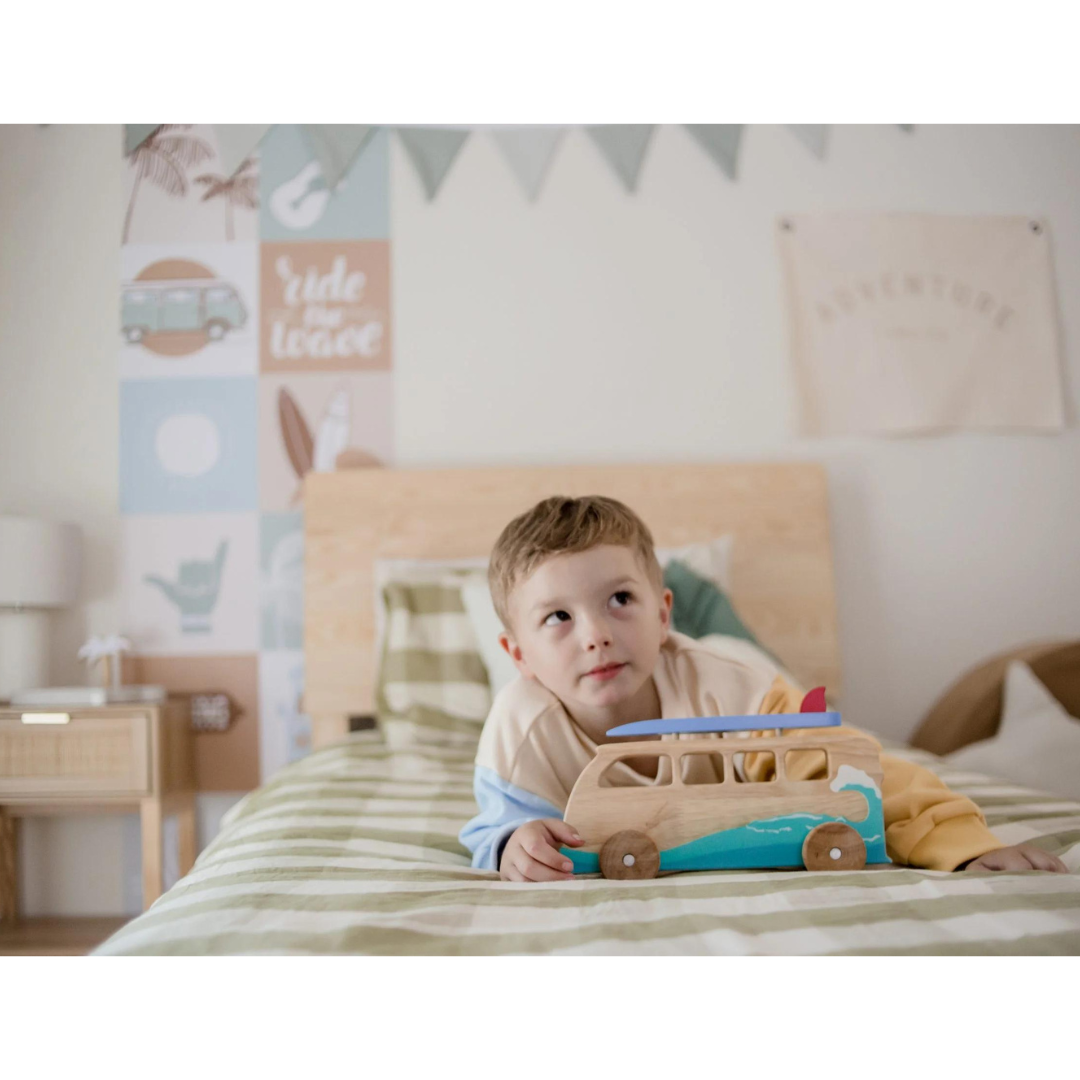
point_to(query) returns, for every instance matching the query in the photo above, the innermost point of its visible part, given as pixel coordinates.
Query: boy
(578, 587)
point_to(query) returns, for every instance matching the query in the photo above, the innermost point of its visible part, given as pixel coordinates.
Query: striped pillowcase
(432, 686)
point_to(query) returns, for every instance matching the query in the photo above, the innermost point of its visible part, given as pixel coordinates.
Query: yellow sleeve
(926, 824)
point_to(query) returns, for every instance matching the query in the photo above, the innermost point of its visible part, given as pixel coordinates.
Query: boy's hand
(532, 852)
(1018, 857)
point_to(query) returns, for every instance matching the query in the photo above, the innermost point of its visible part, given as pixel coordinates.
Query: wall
(590, 326)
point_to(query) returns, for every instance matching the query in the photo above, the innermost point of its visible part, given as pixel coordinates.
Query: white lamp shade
(40, 562)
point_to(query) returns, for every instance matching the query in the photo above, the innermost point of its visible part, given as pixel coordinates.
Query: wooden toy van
(702, 811)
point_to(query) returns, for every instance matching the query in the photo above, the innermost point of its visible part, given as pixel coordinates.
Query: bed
(354, 849)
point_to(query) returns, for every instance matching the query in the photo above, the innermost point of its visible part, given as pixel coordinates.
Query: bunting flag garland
(135, 135)
(721, 142)
(236, 143)
(812, 136)
(336, 147)
(623, 146)
(432, 152)
(529, 151)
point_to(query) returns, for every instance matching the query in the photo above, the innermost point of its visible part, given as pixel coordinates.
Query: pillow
(709, 559)
(415, 571)
(699, 607)
(432, 686)
(488, 626)
(1037, 744)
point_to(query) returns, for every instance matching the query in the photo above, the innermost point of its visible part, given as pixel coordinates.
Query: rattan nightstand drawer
(88, 754)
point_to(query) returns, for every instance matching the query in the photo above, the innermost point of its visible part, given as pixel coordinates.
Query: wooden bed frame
(781, 572)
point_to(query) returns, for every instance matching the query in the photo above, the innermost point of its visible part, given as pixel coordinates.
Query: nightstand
(115, 758)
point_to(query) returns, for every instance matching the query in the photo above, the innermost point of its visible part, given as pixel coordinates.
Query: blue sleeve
(503, 808)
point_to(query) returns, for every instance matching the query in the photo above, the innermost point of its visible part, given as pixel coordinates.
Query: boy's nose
(597, 637)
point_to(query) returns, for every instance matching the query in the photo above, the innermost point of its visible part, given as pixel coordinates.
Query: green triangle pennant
(529, 152)
(432, 152)
(236, 143)
(813, 136)
(135, 135)
(721, 142)
(623, 146)
(336, 147)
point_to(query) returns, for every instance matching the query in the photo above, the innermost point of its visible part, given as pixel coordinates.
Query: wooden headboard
(781, 572)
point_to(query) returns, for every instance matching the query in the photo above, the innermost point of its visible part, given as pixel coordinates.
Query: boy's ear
(513, 650)
(666, 598)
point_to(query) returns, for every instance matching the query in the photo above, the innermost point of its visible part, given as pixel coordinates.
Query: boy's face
(588, 625)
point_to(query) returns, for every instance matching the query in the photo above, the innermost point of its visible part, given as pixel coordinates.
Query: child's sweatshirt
(531, 752)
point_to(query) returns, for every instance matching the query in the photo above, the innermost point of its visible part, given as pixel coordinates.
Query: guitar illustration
(301, 201)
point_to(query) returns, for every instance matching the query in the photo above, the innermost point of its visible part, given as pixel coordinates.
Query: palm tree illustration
(240, 189)
(163, 158)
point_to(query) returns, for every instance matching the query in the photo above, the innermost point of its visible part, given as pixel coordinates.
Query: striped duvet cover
(354, 850)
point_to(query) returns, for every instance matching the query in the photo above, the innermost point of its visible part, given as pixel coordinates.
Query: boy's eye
(622, 598)
(559, 616)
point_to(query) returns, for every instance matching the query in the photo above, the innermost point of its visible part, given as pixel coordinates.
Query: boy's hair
(560, 525)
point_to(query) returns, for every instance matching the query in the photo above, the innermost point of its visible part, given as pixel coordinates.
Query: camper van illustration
(712, 807)
(209, 308)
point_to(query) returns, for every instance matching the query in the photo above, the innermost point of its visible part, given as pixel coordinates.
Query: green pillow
(700, 608)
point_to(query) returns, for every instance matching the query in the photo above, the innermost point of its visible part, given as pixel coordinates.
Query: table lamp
(39, 571)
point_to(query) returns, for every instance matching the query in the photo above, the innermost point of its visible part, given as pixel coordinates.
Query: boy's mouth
(607, 671)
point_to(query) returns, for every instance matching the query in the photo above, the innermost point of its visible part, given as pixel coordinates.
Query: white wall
(590, 326)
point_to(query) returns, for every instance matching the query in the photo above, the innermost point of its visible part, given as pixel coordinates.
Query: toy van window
(180, 296)
(219, 295)
(806, 765)
(646, 765)
(139, 296)
(702, 768)
(756, 768)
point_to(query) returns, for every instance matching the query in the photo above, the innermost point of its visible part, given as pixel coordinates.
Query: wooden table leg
(9, 868)
(150, 813)
(185, 822)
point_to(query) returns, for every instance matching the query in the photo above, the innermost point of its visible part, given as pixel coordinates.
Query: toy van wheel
(833, 846)
(216, 330)
(134, 334)
(629, 856)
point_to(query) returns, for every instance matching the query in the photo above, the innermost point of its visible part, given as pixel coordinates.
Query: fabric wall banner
(529, 151)
(919, 322)
(336, 147)
(236, 143)
(432, 152)
(721, 142)
(136, 134)
(623, 146)
(814, 137)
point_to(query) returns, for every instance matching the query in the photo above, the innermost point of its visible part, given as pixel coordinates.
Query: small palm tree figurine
(107, 649)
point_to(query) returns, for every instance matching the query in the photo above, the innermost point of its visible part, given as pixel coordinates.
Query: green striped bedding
(432, 687)
(354, 850)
